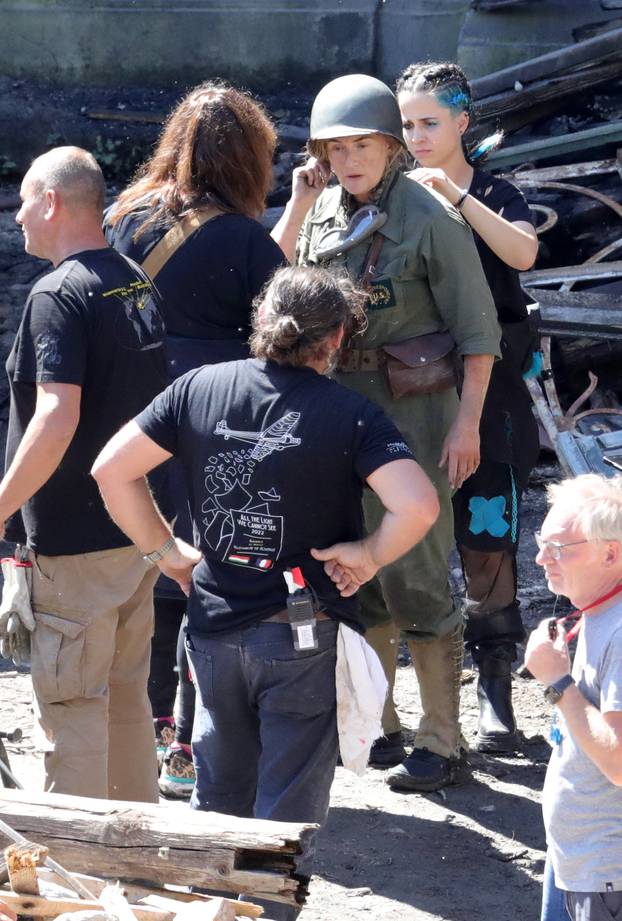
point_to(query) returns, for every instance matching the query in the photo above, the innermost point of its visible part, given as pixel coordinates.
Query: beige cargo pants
(90, 664)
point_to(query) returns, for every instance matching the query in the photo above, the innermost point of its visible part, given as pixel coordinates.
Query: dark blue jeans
(265, 730)
(553, 899)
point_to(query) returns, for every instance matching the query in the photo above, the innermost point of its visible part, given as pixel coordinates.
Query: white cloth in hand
(361, 692)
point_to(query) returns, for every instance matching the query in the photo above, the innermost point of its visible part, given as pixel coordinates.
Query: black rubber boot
(491, 638)
(387, 751)
(425, 771)
(497, 726)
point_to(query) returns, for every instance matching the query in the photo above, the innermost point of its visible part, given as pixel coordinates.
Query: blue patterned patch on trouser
(487, 515)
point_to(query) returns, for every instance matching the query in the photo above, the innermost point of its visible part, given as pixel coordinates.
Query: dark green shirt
(429, 275)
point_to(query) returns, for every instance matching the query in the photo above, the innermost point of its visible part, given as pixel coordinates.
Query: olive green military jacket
(429, 276)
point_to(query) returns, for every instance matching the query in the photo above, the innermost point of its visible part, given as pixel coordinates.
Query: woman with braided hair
(437, 112)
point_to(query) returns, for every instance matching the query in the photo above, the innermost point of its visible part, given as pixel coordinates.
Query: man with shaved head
(87, 357)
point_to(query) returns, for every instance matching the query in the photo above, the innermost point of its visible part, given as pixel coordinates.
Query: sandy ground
(473, 851)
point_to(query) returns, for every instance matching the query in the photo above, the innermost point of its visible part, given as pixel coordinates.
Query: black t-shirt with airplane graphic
(276, 459)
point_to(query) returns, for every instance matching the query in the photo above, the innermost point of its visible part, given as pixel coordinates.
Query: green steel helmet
(353, 105)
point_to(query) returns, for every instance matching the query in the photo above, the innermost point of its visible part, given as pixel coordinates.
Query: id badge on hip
(301, 612)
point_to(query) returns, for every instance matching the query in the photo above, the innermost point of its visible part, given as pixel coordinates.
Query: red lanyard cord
(578, 615)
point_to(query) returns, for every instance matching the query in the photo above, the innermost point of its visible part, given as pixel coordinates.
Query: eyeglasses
(553, 547)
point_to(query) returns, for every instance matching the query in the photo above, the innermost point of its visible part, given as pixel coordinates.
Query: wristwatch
(553, 694)
(156, 555)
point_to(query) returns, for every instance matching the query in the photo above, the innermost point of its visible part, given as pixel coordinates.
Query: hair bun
(287, 331)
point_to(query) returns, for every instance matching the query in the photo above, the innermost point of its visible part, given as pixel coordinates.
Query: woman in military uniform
(436, 105)
(424, 278)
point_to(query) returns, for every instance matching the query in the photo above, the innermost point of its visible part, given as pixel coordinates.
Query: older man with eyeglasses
(580, 548)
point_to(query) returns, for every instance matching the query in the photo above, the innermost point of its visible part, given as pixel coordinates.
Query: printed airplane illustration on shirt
(276, 437)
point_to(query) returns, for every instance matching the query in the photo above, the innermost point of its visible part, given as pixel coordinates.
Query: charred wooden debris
(562, 113)
(83, 859)
(562, 116)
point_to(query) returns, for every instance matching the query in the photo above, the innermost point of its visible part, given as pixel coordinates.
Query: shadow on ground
(438, 863)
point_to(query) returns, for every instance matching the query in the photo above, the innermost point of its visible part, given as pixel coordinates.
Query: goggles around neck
(361, 225)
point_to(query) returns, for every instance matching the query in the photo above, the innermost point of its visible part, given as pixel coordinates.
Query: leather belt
(361, 360)
(281, 617)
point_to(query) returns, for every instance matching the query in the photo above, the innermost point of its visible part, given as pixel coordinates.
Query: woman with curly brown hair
(213, 164)
(190, 218)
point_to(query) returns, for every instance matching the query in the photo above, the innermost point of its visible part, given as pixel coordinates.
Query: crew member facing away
(87, 357)
(191, 218)
(276, 456)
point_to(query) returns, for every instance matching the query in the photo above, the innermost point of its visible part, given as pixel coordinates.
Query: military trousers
(412, 596)
(414, 591)
(90, 665)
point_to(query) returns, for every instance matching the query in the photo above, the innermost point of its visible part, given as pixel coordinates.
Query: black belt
(282, 617)
(352, 360)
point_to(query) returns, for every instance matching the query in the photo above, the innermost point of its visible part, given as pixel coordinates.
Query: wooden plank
(578, 313)
(242, 909)
(117, 823)
(127, 115)
(592, 51)
(13, 835)
(542, 91)
(584, 272)
(168, 844)
(165, 899)
(540, 148)
(38, 906)
(22, 861)
(568, 171)
(212, 870)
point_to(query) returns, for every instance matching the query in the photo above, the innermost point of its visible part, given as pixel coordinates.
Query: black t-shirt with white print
(276, 459)
(95, 322)
(208, 285)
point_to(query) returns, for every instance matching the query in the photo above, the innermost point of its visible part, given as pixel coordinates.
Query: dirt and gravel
(473, 851)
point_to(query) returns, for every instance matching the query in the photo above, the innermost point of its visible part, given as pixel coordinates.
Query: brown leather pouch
(425, 364)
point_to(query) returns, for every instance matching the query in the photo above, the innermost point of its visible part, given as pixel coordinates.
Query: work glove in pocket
(16, 618)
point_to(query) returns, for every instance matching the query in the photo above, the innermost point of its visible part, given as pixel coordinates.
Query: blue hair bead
(454, 98)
